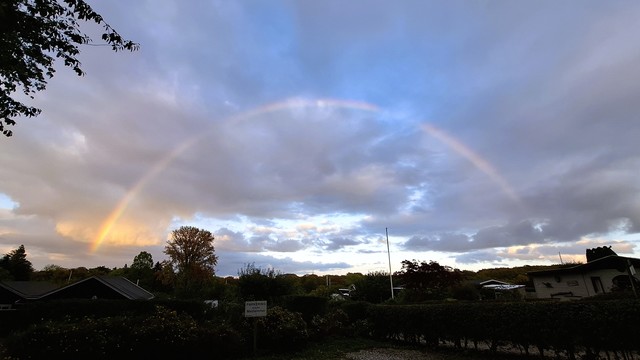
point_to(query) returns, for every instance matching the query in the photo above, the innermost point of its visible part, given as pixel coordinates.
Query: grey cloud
(285, 246)
(442, 242)
(227, 240)
(522, 233)
(483, 256)
(231, 262)
(337, 243)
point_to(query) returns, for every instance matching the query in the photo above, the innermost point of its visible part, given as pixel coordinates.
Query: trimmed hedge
(569, 327)
(307, 306)
(188, 329)
(162, 334)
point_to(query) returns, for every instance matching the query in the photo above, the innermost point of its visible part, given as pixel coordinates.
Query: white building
(602, 275)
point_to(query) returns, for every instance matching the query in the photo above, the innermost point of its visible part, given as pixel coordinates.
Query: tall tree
(373, 287)
(16, 264)
(255, 283)
(142, 261)
(193, 255)
(33, 34)
(427, 280)
(141, 270)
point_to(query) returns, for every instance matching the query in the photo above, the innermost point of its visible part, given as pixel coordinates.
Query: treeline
(420, 280)
(303, 309)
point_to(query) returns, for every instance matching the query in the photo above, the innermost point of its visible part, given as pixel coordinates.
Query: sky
(478, 134)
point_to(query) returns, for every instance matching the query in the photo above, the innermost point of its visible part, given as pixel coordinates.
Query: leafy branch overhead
(33, 34)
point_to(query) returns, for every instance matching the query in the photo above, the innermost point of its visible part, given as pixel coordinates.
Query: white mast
(386, 230)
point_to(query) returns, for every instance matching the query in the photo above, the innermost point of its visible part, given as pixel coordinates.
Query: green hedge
(162, 334)
(28, 314)
(154, 331)
(307, 306)
(588, 327)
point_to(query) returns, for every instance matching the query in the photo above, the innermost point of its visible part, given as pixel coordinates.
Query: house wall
(574, 285)
(8, 297)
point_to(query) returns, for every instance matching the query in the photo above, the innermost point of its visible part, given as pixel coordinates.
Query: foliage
(164, 276)
(33, 34)
(162, 334)
(467, 291)
(427, 280)
(311, 282)
(590, 327)
(281, 330)
(141, 271)
(255, 283)
(356, 310)
(59, 275)
(374, 287)
(193, 255)
(142, 261)
(191, 248)
(16, 264)
(333, 323)
(307, 306)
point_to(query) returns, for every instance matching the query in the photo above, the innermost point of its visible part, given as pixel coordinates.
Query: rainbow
(114, 216)
(112, 219)
(477, 161)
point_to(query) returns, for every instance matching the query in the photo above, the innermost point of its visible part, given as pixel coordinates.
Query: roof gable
(101, 287)
(126, 287)
(28, 289)
(607, 262)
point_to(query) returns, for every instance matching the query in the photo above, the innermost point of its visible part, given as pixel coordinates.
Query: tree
(52, 273)
(141, 270)
(427, 280)
(192, 253)
(164, 277)
(373, 287)
(255, 283)
(16, 264)
(33, 34)
(142, 261)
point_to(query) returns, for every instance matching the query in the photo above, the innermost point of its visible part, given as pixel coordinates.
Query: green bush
(355, 310)
(280, 330)
(307, 306)
(163, 334)
(333, 323)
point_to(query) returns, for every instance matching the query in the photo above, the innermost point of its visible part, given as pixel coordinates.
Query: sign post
(255, 309)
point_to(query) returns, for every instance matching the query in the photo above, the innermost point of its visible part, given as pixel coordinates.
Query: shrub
(307, 306)
(163, 334)
(333, 323)
(281, 330)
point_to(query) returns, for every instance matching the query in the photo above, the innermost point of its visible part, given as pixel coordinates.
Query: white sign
(255, 308)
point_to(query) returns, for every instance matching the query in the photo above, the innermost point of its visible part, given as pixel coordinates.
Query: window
(597, 284)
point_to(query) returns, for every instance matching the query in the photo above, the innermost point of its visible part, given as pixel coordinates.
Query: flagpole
(386, 230)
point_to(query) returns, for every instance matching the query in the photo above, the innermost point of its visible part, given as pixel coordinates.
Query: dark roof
(126, 287)
(119, 284)
(607, 262)
(29, 289)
